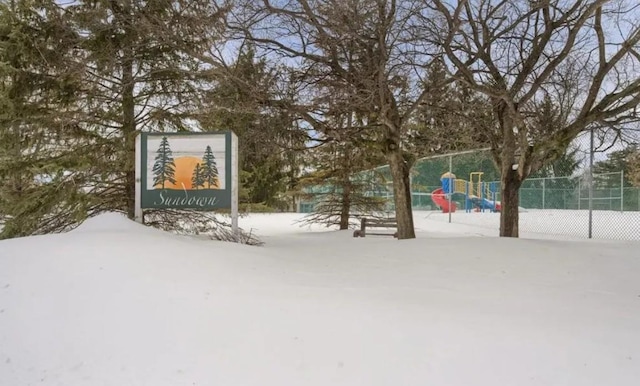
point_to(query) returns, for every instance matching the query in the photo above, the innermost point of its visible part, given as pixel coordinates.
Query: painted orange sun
(183, 173)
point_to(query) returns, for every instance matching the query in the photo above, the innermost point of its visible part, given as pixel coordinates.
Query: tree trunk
(510, 201)
(401, 193)
(346, 205)
(129, 132)
(510, 179)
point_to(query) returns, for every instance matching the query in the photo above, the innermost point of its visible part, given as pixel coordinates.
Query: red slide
(441, 200)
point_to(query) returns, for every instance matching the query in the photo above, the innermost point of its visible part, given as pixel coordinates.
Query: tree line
(314, 90)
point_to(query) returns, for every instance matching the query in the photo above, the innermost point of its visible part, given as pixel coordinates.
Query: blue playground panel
(448, 182)
(482, 203)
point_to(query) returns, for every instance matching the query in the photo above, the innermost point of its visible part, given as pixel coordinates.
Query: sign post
(235, 187)
(197, 171)
(139, 215)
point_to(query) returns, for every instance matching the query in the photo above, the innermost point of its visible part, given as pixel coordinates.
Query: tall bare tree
(582, 56)
(366, 46)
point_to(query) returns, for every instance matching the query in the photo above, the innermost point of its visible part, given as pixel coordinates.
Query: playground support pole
(467, 205)
(451, 188)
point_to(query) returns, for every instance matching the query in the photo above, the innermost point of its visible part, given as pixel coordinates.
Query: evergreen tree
(342, 187)
(78, 82)
(568, 163)
(616, 162)
(564, 166)
(243, 101)
(164, 167)
(634, 168)
(197, 179)
(447, 121)
(209, 168)
(427, 172)
(436, 120)
(143, 75)
(43, 154)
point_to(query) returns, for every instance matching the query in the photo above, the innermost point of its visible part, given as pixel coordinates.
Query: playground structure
(477, 195)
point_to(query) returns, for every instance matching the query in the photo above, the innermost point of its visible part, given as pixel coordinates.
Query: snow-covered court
(116, 303)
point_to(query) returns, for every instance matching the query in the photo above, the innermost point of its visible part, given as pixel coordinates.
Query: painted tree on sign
(197, 179)
(209, 169)
(164, 168)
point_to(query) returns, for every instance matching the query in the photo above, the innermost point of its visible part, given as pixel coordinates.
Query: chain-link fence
(571, 198)
(573, 193)
(577, 196)
(561, 206)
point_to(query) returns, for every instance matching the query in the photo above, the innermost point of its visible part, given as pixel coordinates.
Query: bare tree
(582, 56)
(366, 47)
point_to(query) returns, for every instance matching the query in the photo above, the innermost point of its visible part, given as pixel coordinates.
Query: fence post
(543, 189)
(622, 191)
(591, 184)
(413, 203)
(579, 189)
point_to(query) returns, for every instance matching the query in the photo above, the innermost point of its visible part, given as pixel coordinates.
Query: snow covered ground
(554, 223)
(115, 303)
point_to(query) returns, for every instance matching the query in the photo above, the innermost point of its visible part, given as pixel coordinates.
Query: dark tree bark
(401, 192)
(510, 199)
(346, 205)
(525, 55)
(129, 133)
(123, 17)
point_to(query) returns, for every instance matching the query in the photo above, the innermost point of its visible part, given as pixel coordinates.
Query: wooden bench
(365, 223)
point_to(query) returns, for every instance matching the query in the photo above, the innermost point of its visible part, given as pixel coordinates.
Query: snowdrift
(117, 303)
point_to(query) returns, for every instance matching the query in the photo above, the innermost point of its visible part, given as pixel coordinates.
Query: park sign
(187, 171)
